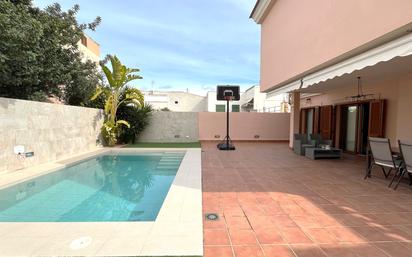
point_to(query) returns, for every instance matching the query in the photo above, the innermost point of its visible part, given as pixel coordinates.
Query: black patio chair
(301, 142)
(405, 149)
(382, 156)
(320, 141)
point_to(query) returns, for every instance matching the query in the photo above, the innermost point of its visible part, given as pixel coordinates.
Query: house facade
(347, 66)
(89, 48)
(253, 100)
(176, 101)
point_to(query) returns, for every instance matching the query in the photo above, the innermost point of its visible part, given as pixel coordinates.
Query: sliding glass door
(351, 128)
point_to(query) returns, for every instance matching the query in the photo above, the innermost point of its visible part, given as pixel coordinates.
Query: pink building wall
(298, 35)
(244, 126)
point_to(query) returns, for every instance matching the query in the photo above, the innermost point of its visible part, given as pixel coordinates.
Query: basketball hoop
(229, 98)
(227, 93)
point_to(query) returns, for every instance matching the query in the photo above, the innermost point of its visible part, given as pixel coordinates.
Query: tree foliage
(116, 93)
(39, 55)
(138, 119)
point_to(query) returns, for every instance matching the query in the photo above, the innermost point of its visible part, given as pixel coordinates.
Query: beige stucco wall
(170, 127)
(298, 35)
(51, 131)
(244, 126)
(398, 94)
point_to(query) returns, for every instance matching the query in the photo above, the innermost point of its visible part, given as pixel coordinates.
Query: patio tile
(237, 222)
(216, 237)
(221, 251)
(295, 236)
(269, 236)
(320, 235)
(277, 251)
(347, 235)
(216, 224)
(394, 249)
(242, 237)
(261, 222)
(283, 221)
(308, 250)
(248, 251)
(292, 206)
(368, 250)
(339, 250)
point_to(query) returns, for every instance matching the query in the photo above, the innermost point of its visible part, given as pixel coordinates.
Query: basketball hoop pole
(227, 121)
(227, 145)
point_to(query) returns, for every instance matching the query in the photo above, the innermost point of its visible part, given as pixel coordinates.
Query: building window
(220, 108)
(84, 41)
(235, 108)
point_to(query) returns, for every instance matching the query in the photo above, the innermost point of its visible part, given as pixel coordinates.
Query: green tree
(116, 87)
(39, 56)
(138, 118)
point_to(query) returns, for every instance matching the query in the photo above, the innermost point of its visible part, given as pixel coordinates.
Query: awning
(396, 48)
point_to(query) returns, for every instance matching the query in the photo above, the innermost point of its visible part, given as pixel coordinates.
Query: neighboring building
(213, 105)
(252, 100)
(89, 48)
(176, 101)
(317, 49)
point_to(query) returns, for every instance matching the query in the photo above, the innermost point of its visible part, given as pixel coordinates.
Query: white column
(294, 116)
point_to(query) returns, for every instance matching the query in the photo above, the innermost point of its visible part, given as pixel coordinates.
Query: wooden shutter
(376, 118)
(325, 121)
(303, 121)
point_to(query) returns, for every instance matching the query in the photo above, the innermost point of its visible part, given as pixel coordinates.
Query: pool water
(105, 188)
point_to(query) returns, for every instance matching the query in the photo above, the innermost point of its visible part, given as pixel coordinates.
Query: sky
(177, 44)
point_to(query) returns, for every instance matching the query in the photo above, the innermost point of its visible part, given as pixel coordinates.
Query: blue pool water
(105, 188)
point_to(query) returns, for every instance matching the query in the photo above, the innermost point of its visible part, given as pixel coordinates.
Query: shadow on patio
(272, 202)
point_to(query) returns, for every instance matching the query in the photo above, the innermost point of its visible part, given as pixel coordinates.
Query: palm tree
(117, 79)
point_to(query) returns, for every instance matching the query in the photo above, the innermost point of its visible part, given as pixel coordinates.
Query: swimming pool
(110, 187)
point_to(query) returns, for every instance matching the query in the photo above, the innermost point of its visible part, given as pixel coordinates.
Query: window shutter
(376, 118)
(303, 117)
(325, 121)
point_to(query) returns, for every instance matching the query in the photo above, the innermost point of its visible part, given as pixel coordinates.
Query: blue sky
(177, 44)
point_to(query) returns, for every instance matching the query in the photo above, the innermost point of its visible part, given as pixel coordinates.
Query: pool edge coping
(176, 231)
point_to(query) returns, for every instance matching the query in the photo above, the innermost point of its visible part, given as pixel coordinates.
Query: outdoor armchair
(405, 149)
(301, 142)
(380, 149)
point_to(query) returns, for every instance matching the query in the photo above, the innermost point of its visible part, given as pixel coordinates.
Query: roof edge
(260, 10)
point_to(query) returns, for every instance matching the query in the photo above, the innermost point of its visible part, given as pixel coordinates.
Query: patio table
(323, 153)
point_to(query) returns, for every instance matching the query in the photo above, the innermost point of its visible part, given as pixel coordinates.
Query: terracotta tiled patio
(272, 202)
